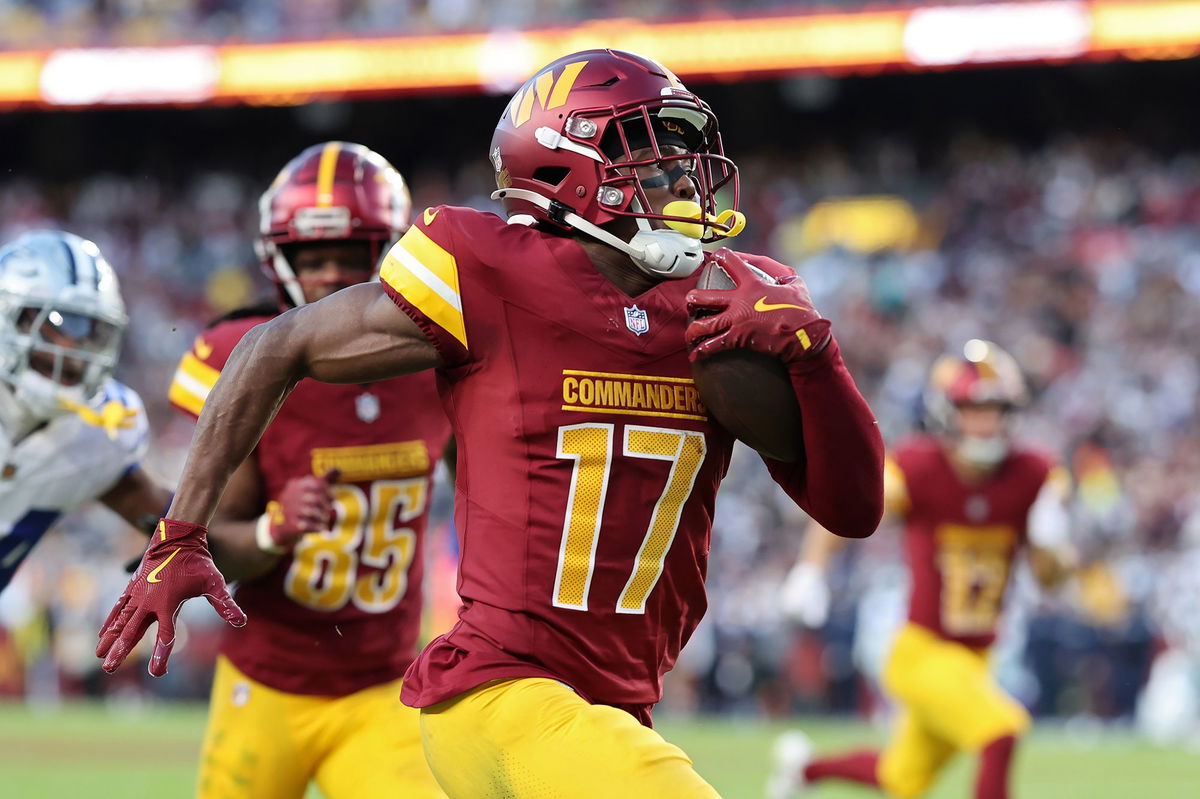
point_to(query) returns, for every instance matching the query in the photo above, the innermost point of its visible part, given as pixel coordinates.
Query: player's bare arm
(138, 498)
(247, 542)
(356, 335)
(231, 534)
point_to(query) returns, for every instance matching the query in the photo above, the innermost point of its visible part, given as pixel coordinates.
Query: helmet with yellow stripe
(582, 140)
(332, 192)
(983, 376)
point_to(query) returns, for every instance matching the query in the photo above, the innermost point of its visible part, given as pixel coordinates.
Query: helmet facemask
(57, 355)
(673, 142)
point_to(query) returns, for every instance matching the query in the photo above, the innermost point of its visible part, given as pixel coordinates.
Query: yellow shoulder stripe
(427, 276)
(895, 488)
(194, 379)
(198, 370)
(183, 397)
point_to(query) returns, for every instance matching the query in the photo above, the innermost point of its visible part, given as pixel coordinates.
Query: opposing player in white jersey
(69, 432)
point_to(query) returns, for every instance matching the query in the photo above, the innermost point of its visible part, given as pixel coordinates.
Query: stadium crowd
(38, 23)
(1081, 256)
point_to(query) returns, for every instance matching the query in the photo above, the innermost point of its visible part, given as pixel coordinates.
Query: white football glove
(806, 595)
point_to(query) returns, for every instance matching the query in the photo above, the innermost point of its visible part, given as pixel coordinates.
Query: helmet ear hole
(552, 176)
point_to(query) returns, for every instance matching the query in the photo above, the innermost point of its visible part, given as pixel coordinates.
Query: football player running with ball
(323, 525)
(69, 432)
(587, 465)
(971, 502)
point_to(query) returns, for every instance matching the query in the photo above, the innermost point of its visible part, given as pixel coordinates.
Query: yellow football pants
(949, 702)
(265, 744)
(537, 739)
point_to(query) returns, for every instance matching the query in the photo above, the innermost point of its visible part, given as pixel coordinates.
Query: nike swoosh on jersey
(762, 306)
(152, 577)
(430, 215)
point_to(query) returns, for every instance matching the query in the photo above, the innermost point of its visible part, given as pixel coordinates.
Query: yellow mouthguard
(735, 220)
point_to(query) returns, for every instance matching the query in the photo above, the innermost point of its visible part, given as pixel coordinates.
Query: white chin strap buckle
(665, 253)
(659, 253)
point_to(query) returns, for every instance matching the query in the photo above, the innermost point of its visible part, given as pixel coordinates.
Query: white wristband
(262, 536)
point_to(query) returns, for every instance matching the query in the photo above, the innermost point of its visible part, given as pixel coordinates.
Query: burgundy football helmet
(563, 153)
(984, 374)
(335, 191)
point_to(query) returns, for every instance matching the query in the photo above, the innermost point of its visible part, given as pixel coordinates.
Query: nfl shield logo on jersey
(636, 320)
(977, 508)
(367, 407)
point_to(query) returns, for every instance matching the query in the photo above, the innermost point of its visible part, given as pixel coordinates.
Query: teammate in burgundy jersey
(970, 502)
(323, 526)
(329, 594)
(587, 465)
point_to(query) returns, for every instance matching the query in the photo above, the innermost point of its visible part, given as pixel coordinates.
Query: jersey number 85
(324, 571)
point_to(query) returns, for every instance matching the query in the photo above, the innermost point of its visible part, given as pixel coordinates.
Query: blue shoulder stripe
(21, 540)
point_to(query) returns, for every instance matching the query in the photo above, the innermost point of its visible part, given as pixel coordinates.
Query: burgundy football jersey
(343, 610)
(587, 465)
(961, 538)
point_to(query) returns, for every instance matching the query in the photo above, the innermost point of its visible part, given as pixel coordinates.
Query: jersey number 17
(591, 447)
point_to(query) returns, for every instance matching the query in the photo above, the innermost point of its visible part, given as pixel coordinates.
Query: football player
(587, 465)
(69, 432)
(323, 525)
(971, 501)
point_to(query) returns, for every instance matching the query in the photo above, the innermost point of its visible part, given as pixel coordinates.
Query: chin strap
(659, 253)
(287, 277)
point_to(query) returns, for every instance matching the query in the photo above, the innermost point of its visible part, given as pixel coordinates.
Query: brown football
(749, 392)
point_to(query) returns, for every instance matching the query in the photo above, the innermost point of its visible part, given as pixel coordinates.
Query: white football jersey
(72, 460)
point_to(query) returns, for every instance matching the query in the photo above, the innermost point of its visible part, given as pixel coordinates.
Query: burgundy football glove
(775, 318)
(175, 568)
(305, 505)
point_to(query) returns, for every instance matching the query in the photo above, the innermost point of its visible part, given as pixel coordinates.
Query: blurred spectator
(40, 23)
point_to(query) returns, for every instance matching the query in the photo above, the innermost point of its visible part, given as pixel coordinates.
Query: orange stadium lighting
(1147, 30)
(925, 36)
(19, 74)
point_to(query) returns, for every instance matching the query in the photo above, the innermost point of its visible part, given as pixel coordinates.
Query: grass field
(88, 751)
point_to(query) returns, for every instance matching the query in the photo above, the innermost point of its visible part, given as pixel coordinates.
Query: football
(749, 392)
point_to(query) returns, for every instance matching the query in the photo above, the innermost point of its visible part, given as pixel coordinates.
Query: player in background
(587, 466)
(69, 432)
(971, 501)
(323, 526)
